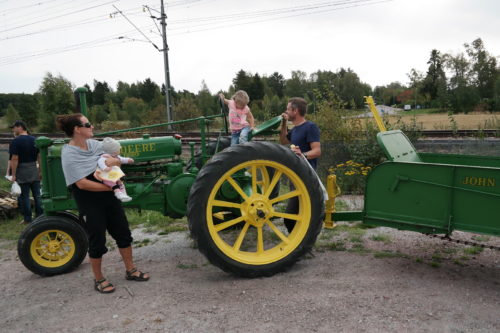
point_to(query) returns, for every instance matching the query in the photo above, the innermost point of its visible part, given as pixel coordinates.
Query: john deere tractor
(235, 199)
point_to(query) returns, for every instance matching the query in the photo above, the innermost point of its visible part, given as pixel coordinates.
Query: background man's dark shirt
(24, 147)
(302, 136)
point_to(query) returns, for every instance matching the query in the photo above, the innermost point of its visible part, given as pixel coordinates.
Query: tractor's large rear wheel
(251, 239)
(52, 245)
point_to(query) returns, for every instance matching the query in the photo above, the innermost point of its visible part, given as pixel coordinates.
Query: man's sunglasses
(86, 125)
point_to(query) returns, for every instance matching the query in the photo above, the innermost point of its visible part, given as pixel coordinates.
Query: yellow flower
(349, 162)
(340, 165)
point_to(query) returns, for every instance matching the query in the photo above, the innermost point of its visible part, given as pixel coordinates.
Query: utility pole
(165, 61)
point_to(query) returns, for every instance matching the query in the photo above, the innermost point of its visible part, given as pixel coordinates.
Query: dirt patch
(342, 291)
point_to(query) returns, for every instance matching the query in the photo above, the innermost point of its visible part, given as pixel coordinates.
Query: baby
(111, 148)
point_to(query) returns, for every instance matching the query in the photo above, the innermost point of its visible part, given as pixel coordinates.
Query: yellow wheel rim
(263, 239)
(52, 248)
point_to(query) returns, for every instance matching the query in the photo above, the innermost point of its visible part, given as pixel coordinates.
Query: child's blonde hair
(241, 97)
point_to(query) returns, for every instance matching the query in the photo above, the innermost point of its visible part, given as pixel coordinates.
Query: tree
(242, 81)
(205, 101)
(434, 83)
(136, 109)
(56, 97)
(276, 82)
(463, 95)
(11, 115)
(101, 90)
(256, 89)
(483, 69)
(185, 109)
(416, 78)
(296, 86)
(147, 90)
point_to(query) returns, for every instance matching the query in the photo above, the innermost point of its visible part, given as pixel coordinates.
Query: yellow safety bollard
(333, 191)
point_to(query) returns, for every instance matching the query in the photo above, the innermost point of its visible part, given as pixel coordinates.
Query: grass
(481, 238)
(155, 222)
(389, 254)
(437, 121)
(472, 250)
(386, 239)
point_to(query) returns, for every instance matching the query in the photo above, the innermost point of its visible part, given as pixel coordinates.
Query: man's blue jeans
(25, 200)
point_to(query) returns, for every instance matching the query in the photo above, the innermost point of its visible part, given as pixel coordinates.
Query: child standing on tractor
(241, 120)
(111, 176)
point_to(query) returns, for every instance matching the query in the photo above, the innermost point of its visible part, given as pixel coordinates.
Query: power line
(26, 6)
(352, 5)
(58, 16)
(142, 33)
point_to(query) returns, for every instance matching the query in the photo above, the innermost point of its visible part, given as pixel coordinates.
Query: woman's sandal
(100, 286)
(140, 277)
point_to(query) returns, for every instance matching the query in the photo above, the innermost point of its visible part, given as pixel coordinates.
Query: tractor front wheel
(52, 245)
(237, 218)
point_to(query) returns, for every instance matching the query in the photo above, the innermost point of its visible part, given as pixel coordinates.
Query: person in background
(24, 169)
(241, 120)
(305, 140)
(96, 202)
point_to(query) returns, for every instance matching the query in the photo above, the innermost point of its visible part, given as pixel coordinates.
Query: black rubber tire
(42, 224)
(215, 169)
(224, 143)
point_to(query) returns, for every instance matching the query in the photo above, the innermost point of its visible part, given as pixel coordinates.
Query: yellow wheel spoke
(254, 179)
(237, 187)
(276, 178)
(287, 216)
(285, 197)
(260, 240)
(278, 232)
(240, 238)
(227, 224)
(220, 203)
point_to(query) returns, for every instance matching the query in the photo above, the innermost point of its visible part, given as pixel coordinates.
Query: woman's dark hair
(67, 122)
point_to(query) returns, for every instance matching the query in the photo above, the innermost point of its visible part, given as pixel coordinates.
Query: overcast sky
(211, 40)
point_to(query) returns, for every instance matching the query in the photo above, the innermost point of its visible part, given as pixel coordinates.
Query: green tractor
(234, 198)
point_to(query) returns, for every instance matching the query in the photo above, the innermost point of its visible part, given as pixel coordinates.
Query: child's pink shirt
(237, 117)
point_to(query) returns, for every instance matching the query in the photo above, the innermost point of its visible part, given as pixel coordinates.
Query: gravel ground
(403, 282)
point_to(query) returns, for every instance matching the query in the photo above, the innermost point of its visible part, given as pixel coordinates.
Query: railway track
(6, 138)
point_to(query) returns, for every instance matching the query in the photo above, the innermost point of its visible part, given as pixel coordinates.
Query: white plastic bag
(15, 190)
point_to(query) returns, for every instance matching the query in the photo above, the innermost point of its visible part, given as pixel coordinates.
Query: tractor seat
(397, 147)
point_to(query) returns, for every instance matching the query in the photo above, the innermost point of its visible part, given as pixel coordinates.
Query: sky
(211, 40)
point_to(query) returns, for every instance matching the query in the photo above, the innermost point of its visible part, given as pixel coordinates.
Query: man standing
(304, 135)
(24, 168)
(305, 138)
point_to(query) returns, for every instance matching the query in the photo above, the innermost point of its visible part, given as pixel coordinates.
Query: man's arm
(315, 151)
(14, 161)
(284, 129)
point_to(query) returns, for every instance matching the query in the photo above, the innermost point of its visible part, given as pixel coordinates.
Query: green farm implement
(235, 198)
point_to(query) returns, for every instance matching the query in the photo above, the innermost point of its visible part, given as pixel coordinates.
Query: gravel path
(408, 290)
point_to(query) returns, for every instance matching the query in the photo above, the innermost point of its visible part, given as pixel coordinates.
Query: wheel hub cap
(258, 210)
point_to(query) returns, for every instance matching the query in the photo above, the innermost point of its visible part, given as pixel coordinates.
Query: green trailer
(430, 193)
